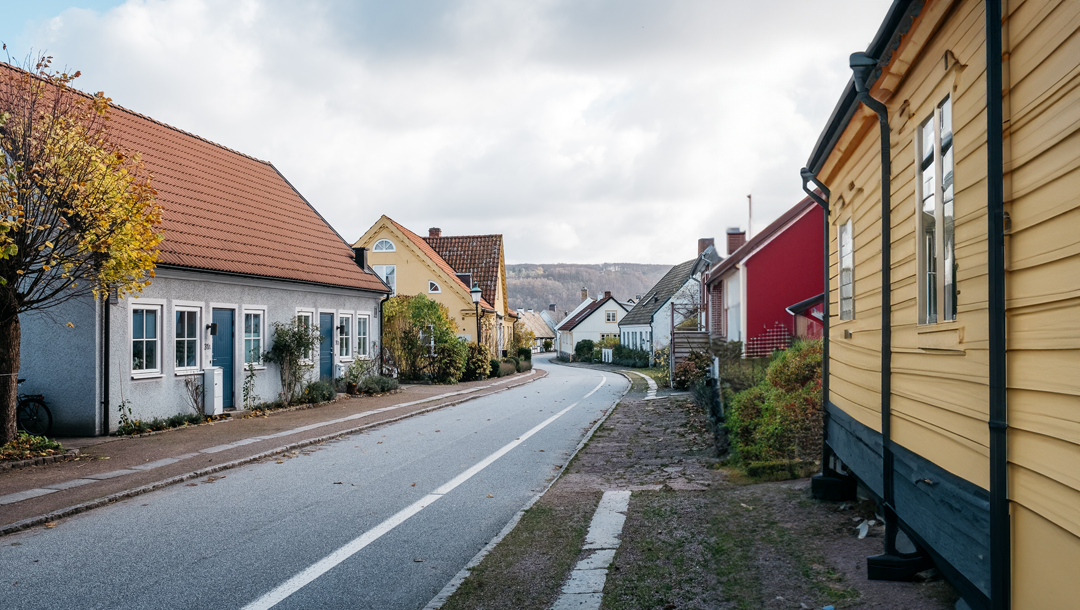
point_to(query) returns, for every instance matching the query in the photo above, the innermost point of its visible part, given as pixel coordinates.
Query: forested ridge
(535, 286)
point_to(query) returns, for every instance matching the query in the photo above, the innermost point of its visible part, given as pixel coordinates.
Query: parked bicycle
(32, 415)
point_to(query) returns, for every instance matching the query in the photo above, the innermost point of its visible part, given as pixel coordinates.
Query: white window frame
(157, 306)
(846, 228)
(345, 319)
(936, 291)
(380, 270)
(375, 246)
(366, 343)
(198, 311)
(261, 312)
(610, 315)
(433, 287)
(310, 314)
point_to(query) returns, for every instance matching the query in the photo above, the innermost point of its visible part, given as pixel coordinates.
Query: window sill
(147, 375)
(343, 359)
(187, 372)
(942, 336)
(257, 367)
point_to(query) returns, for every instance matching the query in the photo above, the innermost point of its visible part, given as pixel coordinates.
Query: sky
(584, 131)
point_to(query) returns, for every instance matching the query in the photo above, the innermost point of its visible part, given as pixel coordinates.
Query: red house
(749, 292)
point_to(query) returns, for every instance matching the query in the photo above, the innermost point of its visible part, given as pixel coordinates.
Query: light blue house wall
(64, 363)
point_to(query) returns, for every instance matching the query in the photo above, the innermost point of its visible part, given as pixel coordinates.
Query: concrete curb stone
(38, 461)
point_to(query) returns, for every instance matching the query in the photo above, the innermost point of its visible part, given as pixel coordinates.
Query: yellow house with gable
(445, 269)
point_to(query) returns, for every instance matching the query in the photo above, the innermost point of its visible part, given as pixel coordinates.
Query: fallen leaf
(490, 496)
(196, 484)
(338, 483)
(379, 443)
(104, 457)
(747, 507)
(541, 451)
(413, 485)
(281, 461)
(50, 524)
(438, 430)
(418, 560)
(863, 529)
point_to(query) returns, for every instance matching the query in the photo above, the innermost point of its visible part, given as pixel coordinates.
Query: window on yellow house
(936, 248)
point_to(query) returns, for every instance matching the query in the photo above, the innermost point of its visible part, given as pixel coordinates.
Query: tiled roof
(475, 254)
(225, 211)
(569, 323)
(534, 322)
(426, 248)
(659, 294)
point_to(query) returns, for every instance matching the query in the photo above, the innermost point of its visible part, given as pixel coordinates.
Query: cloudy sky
(583, 130)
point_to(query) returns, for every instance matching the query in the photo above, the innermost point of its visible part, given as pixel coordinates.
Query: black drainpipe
(808, 176)
(863, 66)
(1000, 568)
(105, 364)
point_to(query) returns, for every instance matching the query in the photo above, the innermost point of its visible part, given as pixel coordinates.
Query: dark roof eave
(802, 306)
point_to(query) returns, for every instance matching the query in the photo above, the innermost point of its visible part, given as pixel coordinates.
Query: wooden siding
(1042, 197)
(939, 382)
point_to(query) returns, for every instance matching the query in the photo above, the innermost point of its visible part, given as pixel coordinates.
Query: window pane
(180, 324)
(138, 362)
(151, 324)
(191, 347)
(948, 262)
(137, 323)
(151, 354)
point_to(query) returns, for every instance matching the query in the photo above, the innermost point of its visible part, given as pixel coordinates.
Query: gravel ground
(696, 535)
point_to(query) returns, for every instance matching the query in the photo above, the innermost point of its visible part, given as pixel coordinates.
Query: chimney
(704, 243)
(584, 293)
(735, 238)
(551, 306)
(607, 294)
(360, 256)
(637, 298)
(434, 232)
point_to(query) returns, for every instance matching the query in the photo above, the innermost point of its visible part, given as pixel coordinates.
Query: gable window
(303, 320)
(936, 247)
(388, 274)
(384, 245)
(609, 316)
(362, 336)
(847, 273)
(433, 287)
(145, 333)
(345, 336)
(253, 333)
(187, 339)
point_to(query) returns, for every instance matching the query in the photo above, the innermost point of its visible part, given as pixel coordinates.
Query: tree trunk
(9, 372)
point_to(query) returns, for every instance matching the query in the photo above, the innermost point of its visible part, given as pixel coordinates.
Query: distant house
(242, 250)
(445, 269)
(593, 319)
(534, 322)
(649, 323)
(747, 294)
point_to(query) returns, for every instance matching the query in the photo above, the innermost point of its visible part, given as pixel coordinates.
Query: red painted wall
(785, 271)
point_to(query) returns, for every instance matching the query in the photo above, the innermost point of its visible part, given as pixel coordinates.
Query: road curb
(70, 511)
(451, 587)
(70, 454)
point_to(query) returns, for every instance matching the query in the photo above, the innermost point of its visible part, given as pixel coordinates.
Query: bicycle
(32, 415)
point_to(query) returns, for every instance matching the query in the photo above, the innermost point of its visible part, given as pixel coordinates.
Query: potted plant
(360, 368)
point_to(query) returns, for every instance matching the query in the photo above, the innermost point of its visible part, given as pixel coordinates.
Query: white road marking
(584, 589)
(651, 393)
(324, 565)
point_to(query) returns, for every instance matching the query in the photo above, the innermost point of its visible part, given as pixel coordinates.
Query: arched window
(433, 288)
(384, 245)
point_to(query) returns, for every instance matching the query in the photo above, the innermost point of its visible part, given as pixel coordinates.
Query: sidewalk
(112, 468)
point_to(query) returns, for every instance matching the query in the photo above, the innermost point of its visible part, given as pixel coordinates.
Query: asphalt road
(381, 520)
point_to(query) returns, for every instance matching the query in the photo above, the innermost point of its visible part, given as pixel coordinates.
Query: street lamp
(475, 294)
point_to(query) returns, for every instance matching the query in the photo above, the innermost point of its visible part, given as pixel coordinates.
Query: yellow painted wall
(940, 388)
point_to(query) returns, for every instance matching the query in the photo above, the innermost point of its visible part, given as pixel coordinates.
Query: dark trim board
(943, 513)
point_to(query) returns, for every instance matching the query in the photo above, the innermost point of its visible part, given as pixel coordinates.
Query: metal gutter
(1000, 534)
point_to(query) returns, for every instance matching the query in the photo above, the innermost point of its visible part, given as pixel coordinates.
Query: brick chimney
(584, 293)
(434, 232)
(360, 256)
(704, 243)
(607, 294)
(735, 238)
(551, 306)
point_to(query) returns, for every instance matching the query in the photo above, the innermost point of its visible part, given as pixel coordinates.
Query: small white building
(593, 320)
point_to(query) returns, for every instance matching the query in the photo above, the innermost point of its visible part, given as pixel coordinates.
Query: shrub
(507, 367)
(411, 324)
(378, 384)
(360, 368)
(27, 446)
(548, 345)
(662, 362)
(608, 343)
(477, 363)
(622, 355)
(319, 391)
(690, 371)
(524, 353)
(450, 360)
(524, 365)
(584, 349)
(493, 368)
(293, 340)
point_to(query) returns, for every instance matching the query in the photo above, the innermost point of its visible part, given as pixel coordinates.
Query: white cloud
(583, 131)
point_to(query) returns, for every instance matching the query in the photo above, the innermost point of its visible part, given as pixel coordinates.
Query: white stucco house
(593, 320)
(242, 250)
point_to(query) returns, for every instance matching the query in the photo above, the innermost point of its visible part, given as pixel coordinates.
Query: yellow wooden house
(950, 172)
(445, 269)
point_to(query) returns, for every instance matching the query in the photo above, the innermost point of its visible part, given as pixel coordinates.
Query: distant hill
(535, 286)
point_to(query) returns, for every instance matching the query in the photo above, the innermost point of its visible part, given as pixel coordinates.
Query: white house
(593, 320)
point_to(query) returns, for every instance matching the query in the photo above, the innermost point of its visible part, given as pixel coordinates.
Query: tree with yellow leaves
(78, 215)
